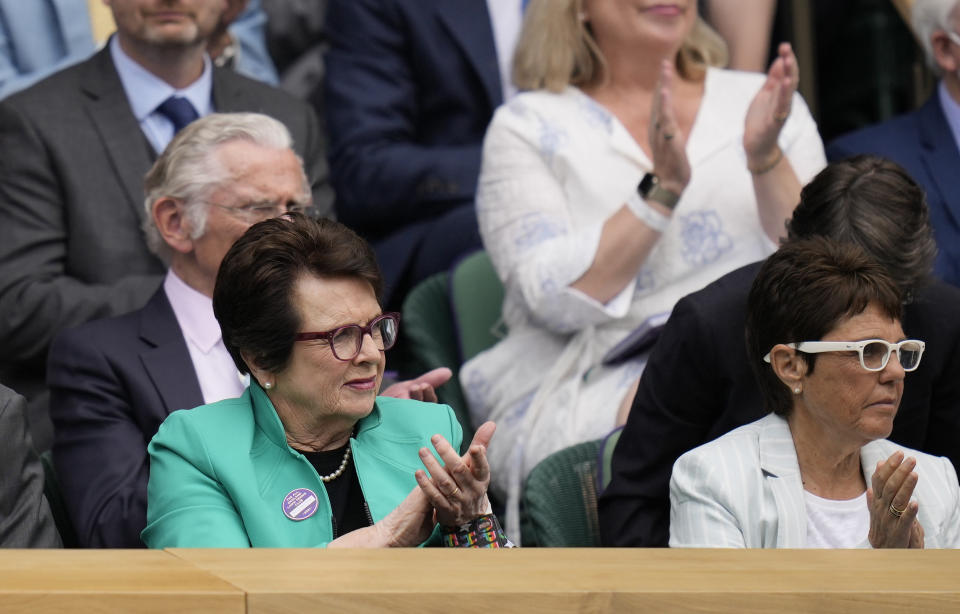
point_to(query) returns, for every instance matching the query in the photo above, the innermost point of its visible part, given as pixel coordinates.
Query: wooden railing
(455, 581)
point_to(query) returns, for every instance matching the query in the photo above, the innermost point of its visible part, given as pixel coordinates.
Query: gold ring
(896, 513)
(456, 491)
(667, 136)
(781, 117)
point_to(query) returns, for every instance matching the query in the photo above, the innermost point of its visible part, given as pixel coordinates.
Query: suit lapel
(109, 110)
(939, 154)
(167, 359)
(469, 23)
(778, 459)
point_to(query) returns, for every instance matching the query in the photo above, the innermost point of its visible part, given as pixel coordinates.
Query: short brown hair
(874, 203)
(802, 292)
(252, 298)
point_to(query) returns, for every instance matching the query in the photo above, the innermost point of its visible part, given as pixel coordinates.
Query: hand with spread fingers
(769, 111)
(893, 517)
(458, 489)
(667, 143)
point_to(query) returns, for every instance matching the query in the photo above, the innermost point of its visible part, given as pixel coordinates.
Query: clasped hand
(893, 517)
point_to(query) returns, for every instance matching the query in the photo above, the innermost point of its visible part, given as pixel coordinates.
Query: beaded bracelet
(482, 532)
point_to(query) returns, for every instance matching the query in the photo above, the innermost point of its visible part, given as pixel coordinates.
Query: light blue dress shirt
(951, 110)
(146, 92)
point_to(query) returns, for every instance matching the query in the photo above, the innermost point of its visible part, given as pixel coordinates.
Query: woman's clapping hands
(458, 489)
(770, 109)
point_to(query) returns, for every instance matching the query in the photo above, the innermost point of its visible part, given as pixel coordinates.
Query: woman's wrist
(481, 532)
(758, 165)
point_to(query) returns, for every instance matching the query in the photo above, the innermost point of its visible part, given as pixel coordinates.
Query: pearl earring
(796, 390)
(267, 385)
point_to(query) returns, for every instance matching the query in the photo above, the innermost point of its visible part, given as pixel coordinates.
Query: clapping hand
(770, 109)
(421, 389)
(893, 517)
(458, 489)
(667, 144)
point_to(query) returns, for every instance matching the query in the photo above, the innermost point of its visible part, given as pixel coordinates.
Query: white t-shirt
(836, 524)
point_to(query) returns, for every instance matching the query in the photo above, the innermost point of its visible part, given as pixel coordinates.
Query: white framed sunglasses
(874, 353)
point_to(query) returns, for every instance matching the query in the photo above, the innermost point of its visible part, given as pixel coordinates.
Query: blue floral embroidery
(704, 239)
(645, 280)
(535, 228)
(552, 138)
(517, 107)
(596, 114)
(475, 388)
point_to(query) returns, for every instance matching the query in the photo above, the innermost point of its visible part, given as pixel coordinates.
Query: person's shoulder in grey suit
(25, 518)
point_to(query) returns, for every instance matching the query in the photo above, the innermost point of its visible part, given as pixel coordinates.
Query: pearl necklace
(343, 467)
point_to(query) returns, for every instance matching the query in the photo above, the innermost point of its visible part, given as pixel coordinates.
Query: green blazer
(219, 474)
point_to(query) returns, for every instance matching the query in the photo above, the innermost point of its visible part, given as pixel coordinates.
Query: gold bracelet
(768, 167)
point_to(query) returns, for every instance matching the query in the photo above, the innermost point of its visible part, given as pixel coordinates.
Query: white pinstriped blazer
(743, 490)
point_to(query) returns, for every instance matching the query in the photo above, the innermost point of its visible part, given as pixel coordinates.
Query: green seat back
(607, 445)
(476, 297)
(430, 342)
(559, 507)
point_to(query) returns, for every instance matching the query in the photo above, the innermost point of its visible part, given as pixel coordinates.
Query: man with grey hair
(75, 148)
(114, 381)
(925, 141)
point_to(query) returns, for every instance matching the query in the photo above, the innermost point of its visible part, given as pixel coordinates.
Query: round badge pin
(300, 504)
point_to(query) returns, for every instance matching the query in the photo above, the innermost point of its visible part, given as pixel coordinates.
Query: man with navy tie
(76, 147)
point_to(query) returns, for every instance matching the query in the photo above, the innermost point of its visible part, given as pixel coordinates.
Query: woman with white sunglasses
(825, 340)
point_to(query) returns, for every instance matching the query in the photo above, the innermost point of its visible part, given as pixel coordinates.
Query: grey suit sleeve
(39, 294)
(25, 518)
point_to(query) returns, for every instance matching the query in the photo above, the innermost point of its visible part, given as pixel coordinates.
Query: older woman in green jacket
(309, 455)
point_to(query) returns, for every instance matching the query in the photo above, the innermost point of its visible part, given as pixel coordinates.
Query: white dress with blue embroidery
(555, 167)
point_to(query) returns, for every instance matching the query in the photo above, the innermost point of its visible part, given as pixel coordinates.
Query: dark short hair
(253, 295)
(874, 203)
(802, 292)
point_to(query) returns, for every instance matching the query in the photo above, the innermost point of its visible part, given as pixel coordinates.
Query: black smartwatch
(650, 189)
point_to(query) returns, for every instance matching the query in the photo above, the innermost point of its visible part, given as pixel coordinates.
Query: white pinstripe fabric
(743, 490)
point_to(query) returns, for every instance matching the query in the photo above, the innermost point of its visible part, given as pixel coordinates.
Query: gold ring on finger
(781, 117)
(456, 491)
(897, 513)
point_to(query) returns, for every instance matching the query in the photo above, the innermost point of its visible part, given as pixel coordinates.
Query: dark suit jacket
(25, 519)
(112, 383)
(698, 385)
(71, 201)
(410, 88)
(922, 143)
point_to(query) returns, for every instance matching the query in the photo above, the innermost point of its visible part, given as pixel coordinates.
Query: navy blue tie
(179, 111)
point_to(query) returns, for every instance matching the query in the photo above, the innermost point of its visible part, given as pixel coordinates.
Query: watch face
(646, 184)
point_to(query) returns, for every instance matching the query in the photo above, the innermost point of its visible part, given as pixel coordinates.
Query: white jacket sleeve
(527, 229)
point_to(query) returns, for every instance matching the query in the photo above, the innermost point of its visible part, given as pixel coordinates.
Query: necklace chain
(343, 467)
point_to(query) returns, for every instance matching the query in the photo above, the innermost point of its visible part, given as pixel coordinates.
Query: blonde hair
(557, 49)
